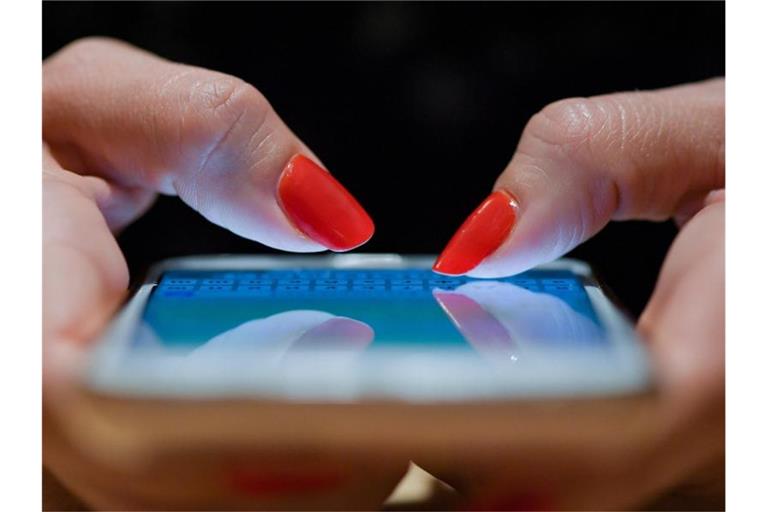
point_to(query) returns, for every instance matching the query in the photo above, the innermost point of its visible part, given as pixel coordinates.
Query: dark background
(416, 107)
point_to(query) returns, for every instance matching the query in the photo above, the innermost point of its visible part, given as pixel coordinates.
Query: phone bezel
(630, 374)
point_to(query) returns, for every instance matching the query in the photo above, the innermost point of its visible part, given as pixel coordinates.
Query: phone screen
(365, 310)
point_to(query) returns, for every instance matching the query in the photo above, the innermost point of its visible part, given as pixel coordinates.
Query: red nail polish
(480, 235)
(321, 208)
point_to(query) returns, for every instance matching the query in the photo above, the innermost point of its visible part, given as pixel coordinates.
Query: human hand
(121, 125)
(581, 163)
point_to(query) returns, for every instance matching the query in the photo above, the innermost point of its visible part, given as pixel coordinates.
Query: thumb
(583, 162)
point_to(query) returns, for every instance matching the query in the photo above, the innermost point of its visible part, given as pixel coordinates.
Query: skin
(121, 125)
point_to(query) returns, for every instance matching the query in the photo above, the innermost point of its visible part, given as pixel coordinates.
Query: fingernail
(321, 208)
(480, 235)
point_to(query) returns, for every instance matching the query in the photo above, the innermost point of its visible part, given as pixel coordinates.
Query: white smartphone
(355, 354)
(357, 327)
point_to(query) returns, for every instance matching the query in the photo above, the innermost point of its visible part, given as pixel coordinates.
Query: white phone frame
(629, 372)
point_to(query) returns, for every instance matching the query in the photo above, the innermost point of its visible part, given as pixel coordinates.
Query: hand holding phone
(358, 357)
(85, 275)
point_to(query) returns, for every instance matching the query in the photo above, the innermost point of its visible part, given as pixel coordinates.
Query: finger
(684, 321)
(84, 273)
(684, 324)
(583, 162)
(684, 446)
(84, 280)
(141, 122)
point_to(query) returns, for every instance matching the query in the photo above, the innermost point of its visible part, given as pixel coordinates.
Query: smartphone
(234, 358)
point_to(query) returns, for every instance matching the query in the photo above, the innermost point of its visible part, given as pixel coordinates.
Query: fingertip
(481, 234)
(716, 196)
(366, 234)
(321, 208)
(446, 267)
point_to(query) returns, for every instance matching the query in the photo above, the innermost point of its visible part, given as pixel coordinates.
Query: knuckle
(236, 108)
(219, 104)
(210, 92)
(574, 133)
(606, 136)
(568, 123)
(225, 97)
(224, 112)
(594, 128)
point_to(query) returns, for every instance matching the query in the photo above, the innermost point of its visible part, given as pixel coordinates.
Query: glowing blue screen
(366, 309)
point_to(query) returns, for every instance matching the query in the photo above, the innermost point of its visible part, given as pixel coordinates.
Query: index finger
(582, 162)
(140, 121)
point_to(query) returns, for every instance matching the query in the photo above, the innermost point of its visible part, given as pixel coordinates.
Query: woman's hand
(121, 125)
(581, 163)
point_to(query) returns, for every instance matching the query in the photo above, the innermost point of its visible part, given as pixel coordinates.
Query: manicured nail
(480, 235)
(321, 208)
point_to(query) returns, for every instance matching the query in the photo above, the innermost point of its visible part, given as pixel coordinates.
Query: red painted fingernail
(480, 235)
(321, 208)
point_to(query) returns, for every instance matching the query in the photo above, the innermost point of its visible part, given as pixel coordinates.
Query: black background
(415, 107)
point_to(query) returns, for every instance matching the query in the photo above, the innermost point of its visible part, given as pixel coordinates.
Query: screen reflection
(206, 314)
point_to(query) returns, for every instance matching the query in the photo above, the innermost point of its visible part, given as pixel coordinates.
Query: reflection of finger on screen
(337, 333)
(478, 326)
